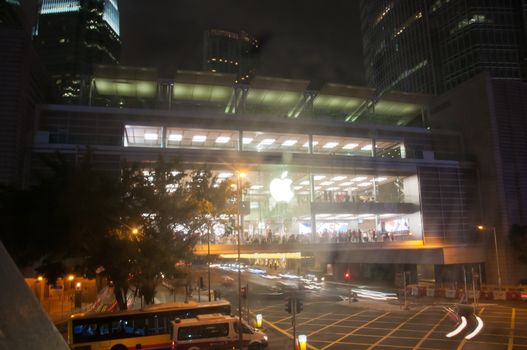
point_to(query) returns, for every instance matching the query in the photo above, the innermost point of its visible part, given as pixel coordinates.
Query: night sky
(313, 40)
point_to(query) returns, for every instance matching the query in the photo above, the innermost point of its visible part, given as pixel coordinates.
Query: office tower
(23, 85)
(229, 52)
(433, 45)
(72, 36)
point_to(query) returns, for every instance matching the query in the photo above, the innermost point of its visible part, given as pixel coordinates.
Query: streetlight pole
(497, 257)
(240, 224)
(481, 227)
(208, 259)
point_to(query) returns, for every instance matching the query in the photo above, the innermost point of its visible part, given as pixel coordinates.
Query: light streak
(477, 330)
(458, 330)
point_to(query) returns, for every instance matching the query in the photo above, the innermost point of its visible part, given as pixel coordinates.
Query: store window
(275, 142)
(336, 145)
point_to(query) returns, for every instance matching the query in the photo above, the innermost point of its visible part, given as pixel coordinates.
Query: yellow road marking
(355, 330)
(336, 322)
(464, 341)
(511, 334)
(283, 319)
(278, 329)
(397, 328)
(418, 345)
(310, 320)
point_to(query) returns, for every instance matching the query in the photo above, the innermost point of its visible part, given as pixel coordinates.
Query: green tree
(171, 206)
(76, 216)
(217, 203)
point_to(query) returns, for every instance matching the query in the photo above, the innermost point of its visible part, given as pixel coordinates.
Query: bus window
(88, 332)
(205, 331)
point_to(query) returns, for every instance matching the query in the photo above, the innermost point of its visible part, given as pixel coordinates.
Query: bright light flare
(459, 328)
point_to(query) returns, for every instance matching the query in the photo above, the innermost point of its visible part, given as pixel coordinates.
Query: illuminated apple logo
(281, 188)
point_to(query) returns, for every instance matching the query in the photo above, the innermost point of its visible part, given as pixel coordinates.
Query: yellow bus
(146, 328)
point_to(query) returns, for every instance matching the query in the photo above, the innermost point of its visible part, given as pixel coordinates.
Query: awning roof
(127, 88)
(203, 87)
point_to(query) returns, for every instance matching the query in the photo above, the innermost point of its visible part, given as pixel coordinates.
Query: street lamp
(241, 176)
(482, 228)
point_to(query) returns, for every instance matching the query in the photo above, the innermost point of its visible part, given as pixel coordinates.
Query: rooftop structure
(263, 96)
(231, 53)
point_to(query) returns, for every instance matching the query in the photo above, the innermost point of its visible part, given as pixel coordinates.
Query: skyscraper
(23, 84)
(433, 45)
(229, 52)
(72, 36)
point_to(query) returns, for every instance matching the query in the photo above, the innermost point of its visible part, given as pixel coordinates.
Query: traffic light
(299, 306)
(288, 306)
(243, 292)
(347, 276)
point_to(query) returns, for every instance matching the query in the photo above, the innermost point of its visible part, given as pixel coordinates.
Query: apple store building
(318, 182)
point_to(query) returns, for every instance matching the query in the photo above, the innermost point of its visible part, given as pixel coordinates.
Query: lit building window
(59, 6)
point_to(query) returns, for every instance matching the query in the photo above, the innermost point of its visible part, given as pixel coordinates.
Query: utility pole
(404, 292)
(293, 309)
(474, 289)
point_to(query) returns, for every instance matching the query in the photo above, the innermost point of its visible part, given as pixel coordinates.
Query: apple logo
(281, 188)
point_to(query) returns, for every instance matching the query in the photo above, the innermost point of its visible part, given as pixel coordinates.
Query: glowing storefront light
(224, 175)
(151, 136)
(350, 146)
(367, 148)
(175, 137)
(330, 145)
(319, 177)
(267, 142)
(247, 140)
(288, 143)
(359, 178)
(338, 178)
(223, 139)
(199, 138)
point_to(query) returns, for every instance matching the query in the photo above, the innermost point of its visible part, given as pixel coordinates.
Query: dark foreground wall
(23, 322)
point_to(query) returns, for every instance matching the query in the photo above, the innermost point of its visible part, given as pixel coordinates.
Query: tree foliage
(76, 216)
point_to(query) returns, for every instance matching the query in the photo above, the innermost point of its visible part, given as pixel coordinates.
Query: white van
(214, 332)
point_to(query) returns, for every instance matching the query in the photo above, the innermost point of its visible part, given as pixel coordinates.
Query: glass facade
(324, 207)
(431, 46)
(72, 37)
(111, 15)
(320, 205)
(260, 141)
